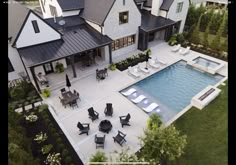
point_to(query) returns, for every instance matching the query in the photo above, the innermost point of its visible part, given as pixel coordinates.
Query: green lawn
(207, 132)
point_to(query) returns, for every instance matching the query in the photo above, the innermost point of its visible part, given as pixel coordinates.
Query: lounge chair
(129, 92)
(120, 138)
(84, 128)
(151, 107)
(160, 61)
(133, 71)
(124, 120)
(143, 69)
(176, 48)
(99, 141)
(93, 115)
(138, 99)
(153, 64)
(185, 51)
(108, 110)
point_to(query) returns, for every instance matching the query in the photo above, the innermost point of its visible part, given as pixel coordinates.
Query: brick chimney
(156, 7)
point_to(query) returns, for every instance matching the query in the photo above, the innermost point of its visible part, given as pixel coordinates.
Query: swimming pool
(205, 62)
(173, 87)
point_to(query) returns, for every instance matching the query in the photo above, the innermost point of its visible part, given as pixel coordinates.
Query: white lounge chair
(129, 92)
(133, 71)
(143, 69)
(185, 51)
(157, 60)
(153, 64)
(151, 107)
(138, 99)
(176, 48)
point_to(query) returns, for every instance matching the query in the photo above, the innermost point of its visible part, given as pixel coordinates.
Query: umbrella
(68, 84)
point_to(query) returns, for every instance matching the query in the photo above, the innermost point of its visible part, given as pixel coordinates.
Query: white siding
(18, 66)
(47, 13)
(29, 37)
(156, 7)
(95, 26)
(179, 16)
(70, 13)
(114, 30)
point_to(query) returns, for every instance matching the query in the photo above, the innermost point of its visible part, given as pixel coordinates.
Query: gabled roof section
(139, 1)
(148, 3)
(95, 11)
(17, 15)
(166, 5)
(67, 5)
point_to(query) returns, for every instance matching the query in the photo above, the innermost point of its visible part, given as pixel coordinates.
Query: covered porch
(155, 28)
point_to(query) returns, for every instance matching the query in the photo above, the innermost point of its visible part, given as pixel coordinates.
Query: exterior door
(48, 68)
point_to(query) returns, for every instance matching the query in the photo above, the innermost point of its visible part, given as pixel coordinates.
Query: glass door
(48, 68)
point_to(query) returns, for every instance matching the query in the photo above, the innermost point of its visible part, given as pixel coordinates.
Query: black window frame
(121, 17)
(35, 26)
(179, 7)
(123, 42)
(10, 66)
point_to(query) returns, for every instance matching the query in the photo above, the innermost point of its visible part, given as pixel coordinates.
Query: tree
(98, 157)
(154, 121)
(216, 41)
(206, 33)
(216, 20)
(125, 157)
(162, 145)
(195, 35)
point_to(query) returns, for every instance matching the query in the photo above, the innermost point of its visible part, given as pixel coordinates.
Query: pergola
(74, 42)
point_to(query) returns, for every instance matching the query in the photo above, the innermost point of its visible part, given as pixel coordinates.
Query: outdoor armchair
(108, 110)
(120, 138)
(84, 128)
(124, 120)
(93, 115)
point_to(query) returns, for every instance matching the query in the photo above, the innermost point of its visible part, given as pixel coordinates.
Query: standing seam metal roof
(84, 39)
(71, 4)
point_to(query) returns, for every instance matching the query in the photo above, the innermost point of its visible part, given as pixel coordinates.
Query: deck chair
(185, 51)
(99, 141)
(138, 99)
(153, 64)
(176, 48)
(151, 107)
(124, 120)
(129, 92)
(133, 71)
(108, 110)
(93, 115)
(120, 138)
(141, 68)
(84, 128)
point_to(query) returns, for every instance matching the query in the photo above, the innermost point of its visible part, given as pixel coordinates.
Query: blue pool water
(174, 86)
(205, 62)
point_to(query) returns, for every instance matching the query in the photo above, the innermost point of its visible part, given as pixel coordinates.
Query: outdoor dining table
(69, 97)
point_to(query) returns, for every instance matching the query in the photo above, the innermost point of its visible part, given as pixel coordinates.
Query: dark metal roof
(77, 40)
(139, 1)
(71, 4)
(151, 23)
(148, 3)
(95, 11)
(17, 15)
(166, 4)
(70, 21)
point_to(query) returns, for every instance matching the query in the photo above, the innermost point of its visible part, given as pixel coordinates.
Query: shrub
(59, 67)
(60, 146)
(180, 38)
(43, 107)
(68, 160)
(41, 137)
(58, 141)
(172, 40)
(31, 118)
(112, 67)
(52, 130)
(65, 153)
(46, 149)
(46, 93)
(56, 135)
(98, 157)
(17, 93)
(53, 159)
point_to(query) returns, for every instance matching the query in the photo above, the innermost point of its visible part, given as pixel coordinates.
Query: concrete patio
(96, 94)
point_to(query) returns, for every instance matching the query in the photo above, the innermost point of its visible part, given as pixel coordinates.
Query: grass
(206, 131)
(210, 38)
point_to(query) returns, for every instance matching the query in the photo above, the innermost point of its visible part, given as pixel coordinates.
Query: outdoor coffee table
(105, 126)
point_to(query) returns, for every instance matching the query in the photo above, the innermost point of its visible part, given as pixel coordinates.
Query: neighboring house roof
(69, 21)
(95, 11)
(17, 15)
(139, 1)
(166, 5)
(152, 23)
(148, 3)
(77, 40)
(71, 4)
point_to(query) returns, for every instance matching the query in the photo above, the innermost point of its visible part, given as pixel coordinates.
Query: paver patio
(96, 94)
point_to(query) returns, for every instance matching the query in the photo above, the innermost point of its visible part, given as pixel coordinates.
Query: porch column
(72, 60)
(35, 80)
(110, 53)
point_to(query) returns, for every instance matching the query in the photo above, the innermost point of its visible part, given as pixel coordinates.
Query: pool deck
(96, 94)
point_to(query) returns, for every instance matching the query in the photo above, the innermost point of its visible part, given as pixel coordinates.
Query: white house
(75, 31)
(219, 3)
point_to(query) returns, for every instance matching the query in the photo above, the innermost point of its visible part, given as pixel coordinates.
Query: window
(123, 42)
(123, 17)
(53, 11)
(10, 67)
(179, 7)
(35, 26)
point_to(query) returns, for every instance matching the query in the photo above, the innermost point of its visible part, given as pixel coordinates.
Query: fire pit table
(105, 126)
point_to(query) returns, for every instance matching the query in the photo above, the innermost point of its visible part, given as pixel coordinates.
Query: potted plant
(112, 67)
(46, 93)
(59, 67)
